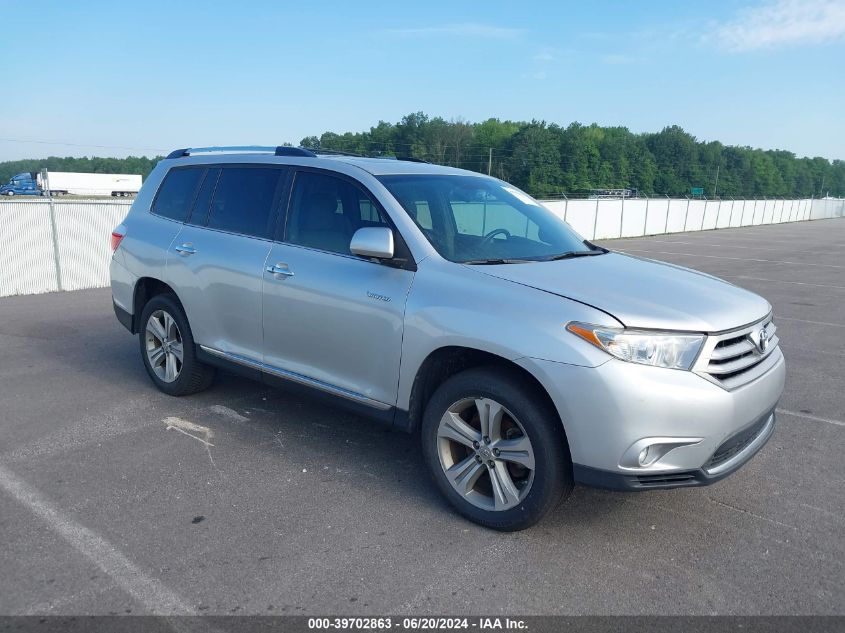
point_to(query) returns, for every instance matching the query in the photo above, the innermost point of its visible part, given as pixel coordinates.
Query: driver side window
(326, 211)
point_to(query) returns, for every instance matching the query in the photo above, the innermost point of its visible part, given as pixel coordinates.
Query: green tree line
(546, 159)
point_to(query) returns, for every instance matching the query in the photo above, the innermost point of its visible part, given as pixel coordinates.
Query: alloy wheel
(485, 453)
(164, 346)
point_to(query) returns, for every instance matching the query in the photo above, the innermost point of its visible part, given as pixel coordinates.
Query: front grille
(735, 358)
(665, 479)
(737, 443)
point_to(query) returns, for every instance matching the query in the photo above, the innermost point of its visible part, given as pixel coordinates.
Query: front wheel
(495, 449)
(167, 348)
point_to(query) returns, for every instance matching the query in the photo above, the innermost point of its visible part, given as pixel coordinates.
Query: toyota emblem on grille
(763, 340)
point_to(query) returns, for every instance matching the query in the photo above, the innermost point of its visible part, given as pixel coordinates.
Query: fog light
(647, 452)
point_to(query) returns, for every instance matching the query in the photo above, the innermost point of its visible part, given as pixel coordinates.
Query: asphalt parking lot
(274, 504)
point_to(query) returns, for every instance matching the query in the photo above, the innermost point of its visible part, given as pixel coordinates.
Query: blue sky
(118, 78)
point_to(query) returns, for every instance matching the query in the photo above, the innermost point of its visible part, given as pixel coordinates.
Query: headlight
(658, 349)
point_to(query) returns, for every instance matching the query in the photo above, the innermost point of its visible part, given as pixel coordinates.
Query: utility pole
(716, 184)
(490, 163)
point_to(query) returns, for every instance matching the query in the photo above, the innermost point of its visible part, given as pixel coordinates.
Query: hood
(641, 293)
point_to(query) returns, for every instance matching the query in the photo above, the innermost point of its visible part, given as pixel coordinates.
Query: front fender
(450, 305)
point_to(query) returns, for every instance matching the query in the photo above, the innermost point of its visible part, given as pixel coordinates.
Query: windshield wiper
(483, 262)
(574, 254)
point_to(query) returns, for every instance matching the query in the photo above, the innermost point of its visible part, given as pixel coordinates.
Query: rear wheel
(167, 349)
(495, 449)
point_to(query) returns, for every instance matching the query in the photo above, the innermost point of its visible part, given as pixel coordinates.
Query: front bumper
(610, 411)
(749, 441)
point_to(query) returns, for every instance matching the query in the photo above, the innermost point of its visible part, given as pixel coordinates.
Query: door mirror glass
(373, 241)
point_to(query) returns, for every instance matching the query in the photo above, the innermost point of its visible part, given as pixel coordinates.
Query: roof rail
(284, 150)
(334, 152)
(281, 150)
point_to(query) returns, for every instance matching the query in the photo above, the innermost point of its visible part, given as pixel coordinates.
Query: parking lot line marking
(807, 416)
(150, 592)
(798, 348)
(750, 513)
(702, 243)
(783, 281)
(732, 238)
(833, 515)
(739, 259)
(103, 425)
(783, 318)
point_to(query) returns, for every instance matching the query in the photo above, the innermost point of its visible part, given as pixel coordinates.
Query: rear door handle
(185, 250)
(279, 271)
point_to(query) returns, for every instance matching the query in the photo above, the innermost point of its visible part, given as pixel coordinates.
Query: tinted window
(200, 213)
(243, 200)
(326, 211)
(176, 193)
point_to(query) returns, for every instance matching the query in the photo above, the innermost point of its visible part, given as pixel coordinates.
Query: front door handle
(185, 250)
(280, 271)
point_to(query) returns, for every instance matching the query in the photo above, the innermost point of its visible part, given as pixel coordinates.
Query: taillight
(116, 238)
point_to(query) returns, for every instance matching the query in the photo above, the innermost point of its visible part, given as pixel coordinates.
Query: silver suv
(453, 305)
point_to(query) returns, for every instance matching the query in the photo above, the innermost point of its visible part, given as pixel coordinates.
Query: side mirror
(375, 241)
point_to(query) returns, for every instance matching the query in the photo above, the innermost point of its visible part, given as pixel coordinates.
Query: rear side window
(176, 194)
(244, 200)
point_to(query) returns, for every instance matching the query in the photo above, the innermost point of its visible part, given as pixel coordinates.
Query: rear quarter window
(176, 194)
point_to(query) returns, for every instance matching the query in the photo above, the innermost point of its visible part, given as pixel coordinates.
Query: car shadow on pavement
(391, 463)
(388, 463)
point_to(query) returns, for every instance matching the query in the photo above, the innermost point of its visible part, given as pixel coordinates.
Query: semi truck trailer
(59, 183)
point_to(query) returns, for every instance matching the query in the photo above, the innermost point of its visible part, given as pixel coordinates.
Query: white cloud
(536, 75)
(618, 59)
(470, 29)
(776, 23)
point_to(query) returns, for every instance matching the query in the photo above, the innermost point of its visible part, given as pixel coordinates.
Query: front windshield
(472, 219)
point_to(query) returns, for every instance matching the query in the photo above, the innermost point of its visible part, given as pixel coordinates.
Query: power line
(42, 142)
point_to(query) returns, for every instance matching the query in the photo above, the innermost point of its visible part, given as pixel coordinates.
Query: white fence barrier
(64, 245)
(607, 219)
(46, 247)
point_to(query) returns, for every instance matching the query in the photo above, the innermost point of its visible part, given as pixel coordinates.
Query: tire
(525, 494)
(164, 334)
